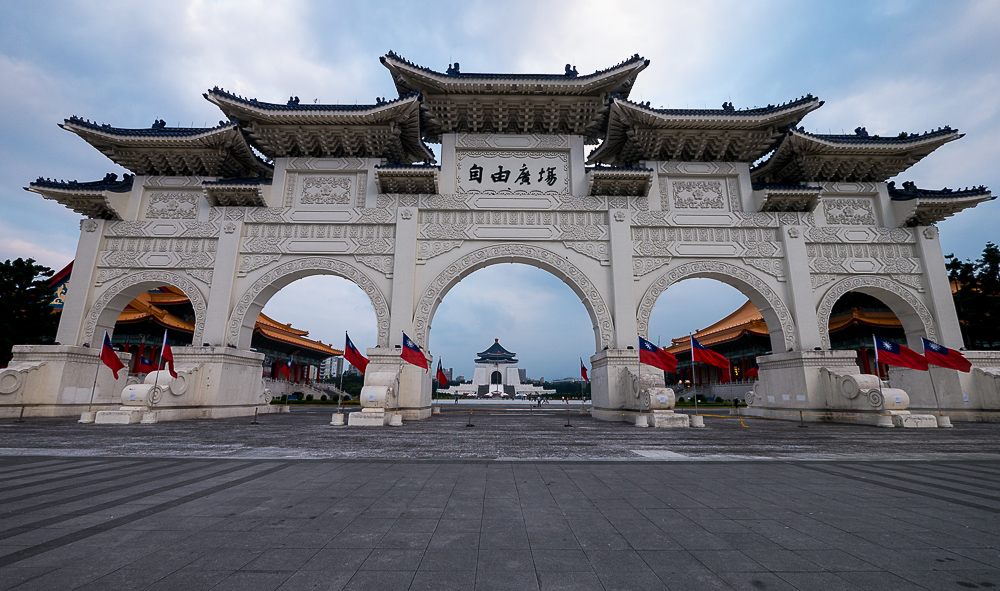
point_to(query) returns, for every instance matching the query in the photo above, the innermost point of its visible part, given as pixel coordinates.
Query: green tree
(977, 297)
(26, 317)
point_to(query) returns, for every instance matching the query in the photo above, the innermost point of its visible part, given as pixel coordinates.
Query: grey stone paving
(227, 505)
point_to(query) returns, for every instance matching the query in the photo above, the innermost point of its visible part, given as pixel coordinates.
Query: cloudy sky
(890, 66)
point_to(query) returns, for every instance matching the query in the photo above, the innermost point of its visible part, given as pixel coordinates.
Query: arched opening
(165, 295)
(721, 318)
(140, 326)
(301, 329)
(912, 315)
(855, 319)
(513, 325)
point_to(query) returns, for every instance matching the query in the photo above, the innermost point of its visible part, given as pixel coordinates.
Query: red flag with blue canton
(441, 377)
(411, 353)
(145, 365)
(167, 355)
(701, 354)
(753, 372)
(109, 357)
(583, 371)
(891, 353)
(353, 356)
(650, 354)
(286, 368)
(943, 356)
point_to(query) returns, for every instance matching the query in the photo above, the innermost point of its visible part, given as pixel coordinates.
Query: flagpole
(878, 373)
(340, 397)
(156, 378)
(90, 407)
(692, 375)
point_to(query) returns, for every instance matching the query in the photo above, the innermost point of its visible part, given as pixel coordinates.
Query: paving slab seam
(114, 503)
(904, 489)
(126, 519)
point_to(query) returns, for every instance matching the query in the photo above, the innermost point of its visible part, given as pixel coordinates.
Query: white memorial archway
(351, 190)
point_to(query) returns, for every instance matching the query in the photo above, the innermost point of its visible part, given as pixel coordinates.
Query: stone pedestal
(57, 380)
(615, 384)
(126, 415)
(668, 419)
(337, 420)
(413, 388)
(368, 417)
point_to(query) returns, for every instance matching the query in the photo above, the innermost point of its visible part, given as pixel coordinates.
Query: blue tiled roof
(110, 182)
(158, 130)
(393, 55)
(239, 180)
(421, 166)
(910, 191)
(727, 110)
(785, 186)
(861, 136)
(293, 105)
(618, 169)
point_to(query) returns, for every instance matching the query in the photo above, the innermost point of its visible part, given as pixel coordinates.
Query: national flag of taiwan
(109, 357)
(892, 353)
(353, 356)
(145, 365)
(650, 354)
(286, 368)
(753, 371)
(583, 371)
(441, 377)
(943, 356)
(411, 353)
(167, 355)
(701, 354)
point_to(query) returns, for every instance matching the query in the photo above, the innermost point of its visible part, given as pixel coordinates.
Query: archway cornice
(528, 254)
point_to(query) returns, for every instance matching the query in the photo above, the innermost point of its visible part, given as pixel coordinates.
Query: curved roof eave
(618, 78)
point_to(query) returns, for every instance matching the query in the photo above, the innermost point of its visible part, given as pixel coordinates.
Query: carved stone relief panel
(328, 238)
(172, 205)
(326, 189)
(849, 211)
(428, 249)
(698, 194)
(862, 258)
(724, 242)
(158, 252)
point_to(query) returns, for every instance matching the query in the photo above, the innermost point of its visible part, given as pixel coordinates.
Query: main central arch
(747, 196)
(536, 256)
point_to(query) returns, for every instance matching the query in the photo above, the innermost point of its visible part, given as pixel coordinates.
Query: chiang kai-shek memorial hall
(560, 171)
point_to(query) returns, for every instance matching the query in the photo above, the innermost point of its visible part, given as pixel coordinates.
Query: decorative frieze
(172, 205)
(333, 238)
(849, 211)
(428, 249)
(381, 263)
(594, 249)
(158, 252)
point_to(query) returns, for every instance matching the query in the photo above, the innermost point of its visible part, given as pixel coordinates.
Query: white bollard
(697, 421)
(338, 419)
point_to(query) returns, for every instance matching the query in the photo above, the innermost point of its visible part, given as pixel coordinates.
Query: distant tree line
(976, 289)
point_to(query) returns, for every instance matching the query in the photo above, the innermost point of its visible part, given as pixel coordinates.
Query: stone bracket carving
(598, 251)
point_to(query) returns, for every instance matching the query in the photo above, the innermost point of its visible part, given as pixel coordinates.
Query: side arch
(112, 301)
(916, 319)
(238, 333)
(527, 254)
(772, 308)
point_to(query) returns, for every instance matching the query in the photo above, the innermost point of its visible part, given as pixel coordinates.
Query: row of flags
(110, 358)
(891, 353)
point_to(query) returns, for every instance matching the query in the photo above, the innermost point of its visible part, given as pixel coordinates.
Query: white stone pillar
(622, 280)
(81, 283)
(220, 296)
(939, 298)
(404, 272)
(801, 302)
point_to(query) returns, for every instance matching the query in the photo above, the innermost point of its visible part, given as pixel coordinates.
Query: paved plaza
(519, 501)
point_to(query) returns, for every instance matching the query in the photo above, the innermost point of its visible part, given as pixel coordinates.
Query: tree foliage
(977, 297)
(26, 317)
